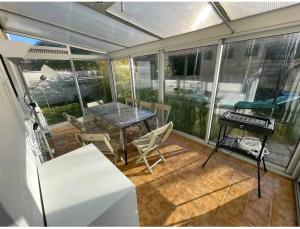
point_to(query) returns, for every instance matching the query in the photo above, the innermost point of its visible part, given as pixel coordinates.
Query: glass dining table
(122, 116)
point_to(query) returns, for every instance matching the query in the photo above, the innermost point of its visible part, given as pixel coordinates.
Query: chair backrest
(163, 111)
(84, 139)
(132, 101)
(74, 121)
(146, 105)
(95, 103)
(66, 116)
(88, 138)
(159, 136)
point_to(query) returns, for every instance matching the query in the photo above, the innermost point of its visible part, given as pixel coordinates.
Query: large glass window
(121, 72)
(188, 87)
(57, 93)
(93, 80)
(146, 77)
(262, 77)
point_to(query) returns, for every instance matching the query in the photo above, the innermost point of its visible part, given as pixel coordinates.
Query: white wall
(19, 193)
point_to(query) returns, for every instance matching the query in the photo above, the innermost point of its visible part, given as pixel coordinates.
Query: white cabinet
(83, 188)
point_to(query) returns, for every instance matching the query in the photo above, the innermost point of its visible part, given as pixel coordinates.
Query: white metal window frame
(227, 39)
(69, 57)
(181, 45)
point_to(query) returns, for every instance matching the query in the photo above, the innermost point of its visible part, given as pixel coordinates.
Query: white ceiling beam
(222, 14)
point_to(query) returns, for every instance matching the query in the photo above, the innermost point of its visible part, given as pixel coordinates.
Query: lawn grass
(55, 115)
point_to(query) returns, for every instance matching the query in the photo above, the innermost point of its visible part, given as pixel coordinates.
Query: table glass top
(119, 114)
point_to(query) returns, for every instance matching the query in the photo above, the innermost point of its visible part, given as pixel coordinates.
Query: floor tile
(181, 192)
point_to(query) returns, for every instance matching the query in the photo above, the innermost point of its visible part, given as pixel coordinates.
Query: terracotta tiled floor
(182, 193)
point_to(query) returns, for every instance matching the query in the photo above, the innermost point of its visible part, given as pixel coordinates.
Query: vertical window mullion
(132, 80)
(76, 82)
(214, 91)
(161, 75)
(112, 81)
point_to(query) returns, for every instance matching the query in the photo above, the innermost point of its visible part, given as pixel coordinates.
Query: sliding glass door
(56, 93)
(121, 73)
(188, 88)
(262, 77)
(93, 80)
(146, 77)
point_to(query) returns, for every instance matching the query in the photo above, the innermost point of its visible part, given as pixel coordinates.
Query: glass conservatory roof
(237, 10)
(108, 27)
(171, 18)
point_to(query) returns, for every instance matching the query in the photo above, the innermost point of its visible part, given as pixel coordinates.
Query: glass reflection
(146, 77)
(121, 72)
(188, 87)
(262, 77)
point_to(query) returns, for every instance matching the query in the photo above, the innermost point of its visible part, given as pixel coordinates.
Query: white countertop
(80, 186)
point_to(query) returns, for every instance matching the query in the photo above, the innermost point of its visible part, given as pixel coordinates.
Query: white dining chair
(106, 145)
(132, 102)
(150, 143)
(95, 103)
(84, 126)
(146, 105)
(162, 112)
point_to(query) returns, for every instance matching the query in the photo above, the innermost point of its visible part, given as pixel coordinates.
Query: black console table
(255, 124)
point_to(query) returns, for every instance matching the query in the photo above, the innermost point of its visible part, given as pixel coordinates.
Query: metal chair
(106, 145)
(150, 143)
(132, 102)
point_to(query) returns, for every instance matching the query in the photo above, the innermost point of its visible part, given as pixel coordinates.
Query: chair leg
(140, 158)
(161, 156)
(265, 168)
(258, 179)
(117, 158)
(147, 165)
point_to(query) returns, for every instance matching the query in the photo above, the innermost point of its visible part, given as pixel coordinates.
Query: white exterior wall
(19, 193)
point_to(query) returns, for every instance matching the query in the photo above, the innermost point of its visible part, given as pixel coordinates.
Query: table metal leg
(124, 145)
(147, 126)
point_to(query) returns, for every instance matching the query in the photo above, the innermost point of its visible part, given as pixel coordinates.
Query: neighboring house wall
(19, 193)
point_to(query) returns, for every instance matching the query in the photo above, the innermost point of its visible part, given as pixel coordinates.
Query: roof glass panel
(33, 42)
(237, 10)
(79, 51)
(79, 18)
(167, 19)
(32, 28)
